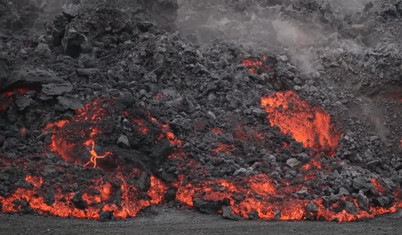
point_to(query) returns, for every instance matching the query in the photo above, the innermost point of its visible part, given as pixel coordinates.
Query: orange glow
(316, 163)
(130, 204)
(117, 191)
(157, 190)
(345, 216)
(159, 96)
(309, 177)
(104, 188)
(217, 130)
(262, 185)
(36, 181)
(6, 98)
(313, 163)
(17, 91)
(141, 125)
(131, 201)
(171, 136)
(224, 148)
(62, 147)
(62, 131)
(378, 186)
(185, 193)
(89, 199)
(262, 196)
(254, 65)
(79, 136)
(260, 135)
(306, 167)
(59, 124)
(305, 123)
(249, 62)
(94, 155)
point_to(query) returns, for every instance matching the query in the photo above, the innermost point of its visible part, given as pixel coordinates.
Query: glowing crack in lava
(114, 193)
(305, 123)
(90, 144)
(80, 132)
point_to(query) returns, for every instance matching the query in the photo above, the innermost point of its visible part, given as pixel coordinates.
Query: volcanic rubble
(111, 110)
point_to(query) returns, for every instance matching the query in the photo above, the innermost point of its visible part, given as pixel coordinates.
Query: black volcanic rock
(117, 86)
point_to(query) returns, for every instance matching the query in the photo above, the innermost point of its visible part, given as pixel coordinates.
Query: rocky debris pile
(179, 123)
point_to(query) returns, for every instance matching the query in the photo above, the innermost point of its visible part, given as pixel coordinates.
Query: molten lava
(131, 199)
(87, 117)
(252, 65)
(378, 185)
(270, 201)
(94, 155)
(305, 123)
(124, 190)
(263, 64)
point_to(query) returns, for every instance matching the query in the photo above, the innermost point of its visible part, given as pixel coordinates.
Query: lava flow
(305, 123)
(258, 196)
(86, 125)
(122, 184)
(98, 200)
(120, 191)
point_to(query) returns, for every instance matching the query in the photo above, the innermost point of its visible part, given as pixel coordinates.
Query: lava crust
(113, 108)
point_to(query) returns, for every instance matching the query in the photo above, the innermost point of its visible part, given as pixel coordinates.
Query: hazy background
(294, 25)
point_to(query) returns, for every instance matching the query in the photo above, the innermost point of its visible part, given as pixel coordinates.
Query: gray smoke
(264, 23)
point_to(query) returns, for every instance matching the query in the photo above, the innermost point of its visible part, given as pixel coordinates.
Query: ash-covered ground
(109, 108)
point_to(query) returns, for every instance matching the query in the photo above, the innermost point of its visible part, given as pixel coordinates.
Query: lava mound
(123, 115)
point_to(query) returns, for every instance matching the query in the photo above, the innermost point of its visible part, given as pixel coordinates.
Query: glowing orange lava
(171, 136)
(131, 202)
(141, 125)
(378, 186)
(224, 148)
(305, 123)
(34, 180)
(252, 65)
(257, 65)
(94, 155)
(270, 202)
(86, 117)
(117, 192)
